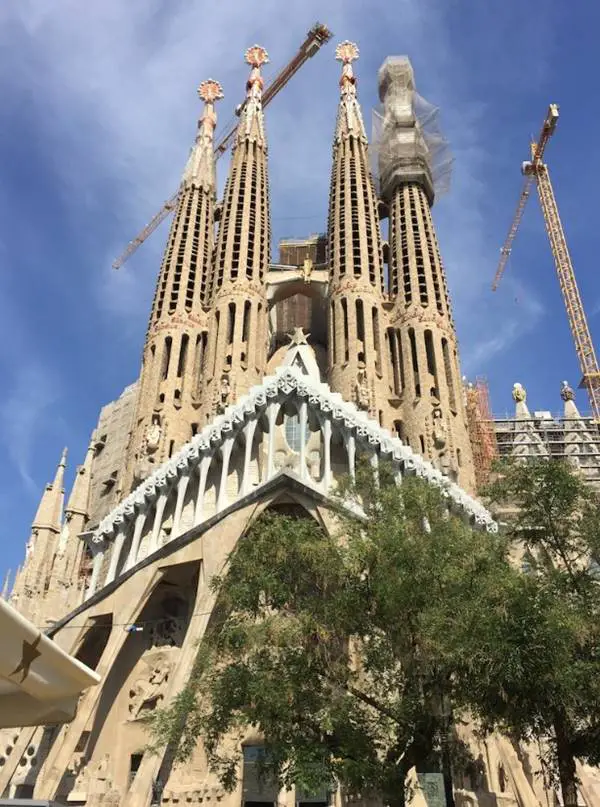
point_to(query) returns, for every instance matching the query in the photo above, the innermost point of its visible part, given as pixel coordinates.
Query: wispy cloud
(23, 411)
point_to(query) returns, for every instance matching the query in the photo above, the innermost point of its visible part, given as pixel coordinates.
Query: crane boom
(570, 291)
(317, 36)
(537, 170)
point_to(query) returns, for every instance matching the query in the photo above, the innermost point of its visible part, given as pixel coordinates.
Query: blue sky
(98, 112)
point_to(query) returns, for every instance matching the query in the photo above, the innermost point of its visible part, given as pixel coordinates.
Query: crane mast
(536, 171)
(317, 36)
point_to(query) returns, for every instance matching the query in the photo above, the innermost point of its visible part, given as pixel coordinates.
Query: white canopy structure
(39, 682)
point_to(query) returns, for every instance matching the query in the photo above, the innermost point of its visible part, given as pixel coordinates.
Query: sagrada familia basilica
(261, 385)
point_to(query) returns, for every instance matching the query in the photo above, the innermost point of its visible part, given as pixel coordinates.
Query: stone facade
(230, 418)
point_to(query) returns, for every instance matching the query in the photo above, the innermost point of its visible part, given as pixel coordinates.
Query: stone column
(249, 431)
(115, 556)
(161, 503)
(225, 456)
(203, 467)
(303, 418)
(326, 431)
(140, 519)
(181, 490)
(97, 565)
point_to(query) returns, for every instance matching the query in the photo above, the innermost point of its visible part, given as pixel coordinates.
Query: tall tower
(422, 339)
(170, 382)
(237, 341)
(358, 368)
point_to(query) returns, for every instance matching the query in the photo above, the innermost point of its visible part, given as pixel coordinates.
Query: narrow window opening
(376, 340)
(194, 429)
(230, 323)
(167, 357)
(399, 429)
(346, 341)
(431, 365)
(458, 458)
(182, 355)
(171, 448)
(135, 760)
(448, 374)
(422, 444)
(415, 361)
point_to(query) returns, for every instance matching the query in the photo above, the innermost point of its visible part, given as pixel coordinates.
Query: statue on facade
(518, 393)
(147, 693)
(363, 398)
(566, 392)
(307, 270)
(440, 434)
(224, 394)
(153, 435)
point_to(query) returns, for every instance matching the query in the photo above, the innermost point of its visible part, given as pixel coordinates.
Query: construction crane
(317, 36)
(535, 170)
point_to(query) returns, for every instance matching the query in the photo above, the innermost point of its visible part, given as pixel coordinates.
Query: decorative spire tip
(346, 52)
(210, 91)
(256, 56)
(63, 458)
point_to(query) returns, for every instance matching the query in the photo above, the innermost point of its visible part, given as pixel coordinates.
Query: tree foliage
(338, 648)
(547, 653)
(351, 652)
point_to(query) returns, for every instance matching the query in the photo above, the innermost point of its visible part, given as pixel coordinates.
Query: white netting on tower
(406, 134)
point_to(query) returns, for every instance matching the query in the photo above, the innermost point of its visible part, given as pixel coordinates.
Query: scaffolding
(481, 429)
(544, 434)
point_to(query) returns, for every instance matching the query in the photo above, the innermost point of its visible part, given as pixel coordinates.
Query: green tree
(343, 651)
(538, 667)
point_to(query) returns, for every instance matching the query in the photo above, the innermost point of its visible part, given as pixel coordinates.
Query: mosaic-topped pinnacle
(256, 56)
(210, 91)
(346, 52)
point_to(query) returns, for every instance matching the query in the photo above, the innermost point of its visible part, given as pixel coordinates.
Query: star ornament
(210, 91)
(298, 337)
(29, 653)
(256, 56)
(346, 52)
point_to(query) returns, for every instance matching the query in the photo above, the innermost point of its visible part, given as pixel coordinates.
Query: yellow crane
(317, 36)
(535, 170)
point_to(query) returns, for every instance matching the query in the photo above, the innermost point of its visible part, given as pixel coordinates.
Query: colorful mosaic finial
(256, 56)
(347, 52)
(210, 91)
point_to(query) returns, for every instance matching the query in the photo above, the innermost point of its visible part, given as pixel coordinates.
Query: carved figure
(518, 393)
(362, 391)
(566, 392)
(153, 435)
(224, 394)
(147, 694)
(440, 434)
(307, 270)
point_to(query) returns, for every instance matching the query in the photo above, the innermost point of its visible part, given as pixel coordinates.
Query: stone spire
(49, 512)
(237, 350)
(527, 443)
(65, 589)
(581, 447)
(171, 376)
(423, 347)
(32, 581)
(358, 366)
